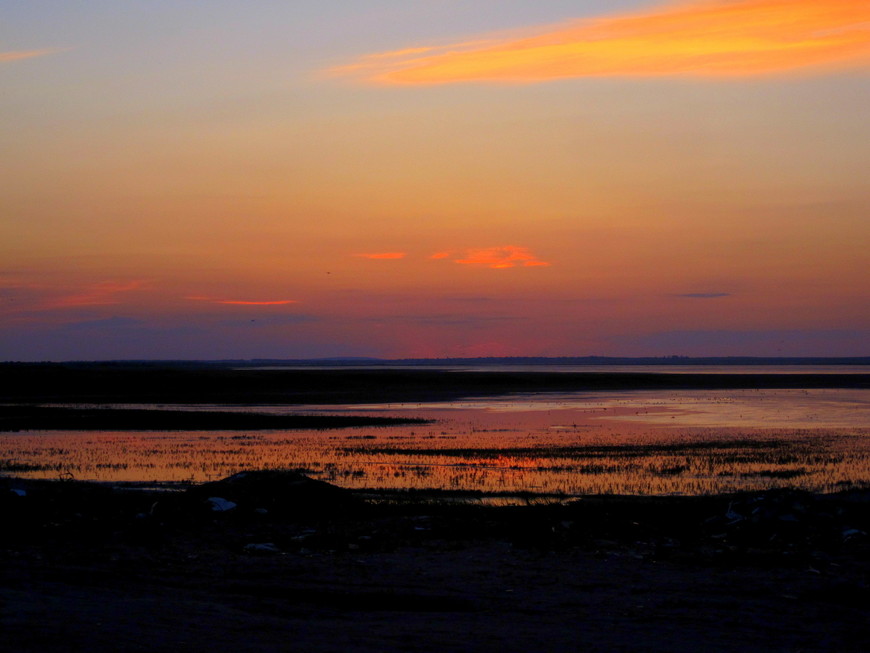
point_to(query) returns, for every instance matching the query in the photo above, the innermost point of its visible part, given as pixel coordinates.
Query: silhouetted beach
(276, 562)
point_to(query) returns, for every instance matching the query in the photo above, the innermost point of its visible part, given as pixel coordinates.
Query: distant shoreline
(509, 361)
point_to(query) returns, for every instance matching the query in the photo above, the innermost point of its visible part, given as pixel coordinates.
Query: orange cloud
(383, 255)
(713, 38)
(508, 256)
(24, 54)
(239, 302)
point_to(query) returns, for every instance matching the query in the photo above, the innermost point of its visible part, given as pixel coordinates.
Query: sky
(386, 178)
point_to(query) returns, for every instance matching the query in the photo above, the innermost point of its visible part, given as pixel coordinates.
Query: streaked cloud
(98, 294)
(444, 319)
(704, 295)
(507, 256)
(383, 256)
(25, 54)
(116, 322)
(23, 302)
(270, 321)
(462, 320)
(716, 38)
(238, 302)
(243, 302)
(760, 342)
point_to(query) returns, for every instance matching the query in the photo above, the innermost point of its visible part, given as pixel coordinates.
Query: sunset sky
(387, 178)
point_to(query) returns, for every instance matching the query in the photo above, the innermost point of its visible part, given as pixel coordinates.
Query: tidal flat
(657, 518)
(557, 445)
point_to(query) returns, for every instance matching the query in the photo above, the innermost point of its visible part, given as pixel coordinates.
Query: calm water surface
(640, 442)
(597, 369)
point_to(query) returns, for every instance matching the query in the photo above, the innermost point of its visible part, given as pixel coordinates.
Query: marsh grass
(819, 461)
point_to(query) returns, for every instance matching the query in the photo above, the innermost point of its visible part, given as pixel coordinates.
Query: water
(638, 442)
(597, 369)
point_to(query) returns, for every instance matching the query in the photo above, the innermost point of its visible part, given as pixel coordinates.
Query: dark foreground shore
(276, 562)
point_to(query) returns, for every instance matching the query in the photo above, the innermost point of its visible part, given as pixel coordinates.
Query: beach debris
(261, 548)
(18, 492)
(852, 533)
(732, 515)
(219, 504)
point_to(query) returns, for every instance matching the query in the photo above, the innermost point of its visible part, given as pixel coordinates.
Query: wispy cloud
(107, 323)
(98, 294)
(724, 342)
(24, 302)
(715, 38)
(704, 295)
(243, 302)
(238, 302)
(383, 256)
(507, 256)
(17, 55)
(270, 321)
(461, 319)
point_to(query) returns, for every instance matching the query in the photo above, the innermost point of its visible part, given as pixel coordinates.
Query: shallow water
(642, 442)
(597, 369)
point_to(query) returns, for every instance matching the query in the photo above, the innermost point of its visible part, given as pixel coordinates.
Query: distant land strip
(127, 383)
(363, 361)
